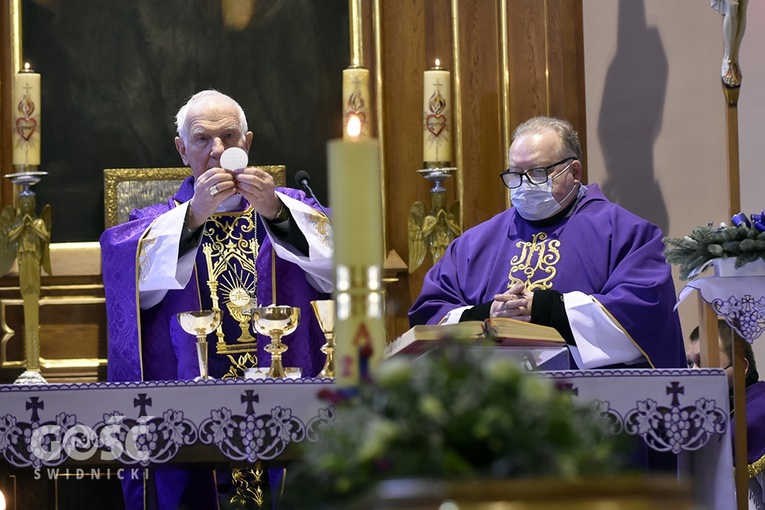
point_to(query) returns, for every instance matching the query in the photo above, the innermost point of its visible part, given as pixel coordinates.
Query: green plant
(703, 244)
(454, 413)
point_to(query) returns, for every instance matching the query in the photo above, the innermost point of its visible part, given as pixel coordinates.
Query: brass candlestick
(325, 313)
(275, 322)
(435, 230)
(25, 237)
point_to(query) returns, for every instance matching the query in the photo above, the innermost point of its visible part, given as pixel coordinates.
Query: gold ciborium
(200, 323)
(325, 313)
(276, 321)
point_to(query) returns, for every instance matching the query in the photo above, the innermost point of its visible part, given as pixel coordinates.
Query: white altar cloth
(143, 423)
(682, 411)
(740, 300)
(148, 423)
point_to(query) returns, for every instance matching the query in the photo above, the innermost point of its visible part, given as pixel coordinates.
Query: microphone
(303, 180)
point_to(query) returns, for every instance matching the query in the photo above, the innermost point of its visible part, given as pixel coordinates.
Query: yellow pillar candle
(437, 117)
(26, 118)
(356, 101)
(354, 193)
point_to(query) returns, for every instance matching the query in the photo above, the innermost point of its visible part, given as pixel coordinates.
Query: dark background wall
(115, 73)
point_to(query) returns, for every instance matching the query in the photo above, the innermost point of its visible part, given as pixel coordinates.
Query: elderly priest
(233, 228)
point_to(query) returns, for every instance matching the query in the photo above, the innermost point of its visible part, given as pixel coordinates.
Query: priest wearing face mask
(562, 256)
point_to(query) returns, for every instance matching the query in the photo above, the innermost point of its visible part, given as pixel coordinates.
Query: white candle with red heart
(26, 117)
(437, 117)
(354, 193)
(356, 100)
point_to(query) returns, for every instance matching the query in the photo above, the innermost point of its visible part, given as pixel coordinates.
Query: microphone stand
(304, 183)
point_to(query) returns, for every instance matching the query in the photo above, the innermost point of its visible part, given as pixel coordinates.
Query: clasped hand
(514, 303)
(216, 185)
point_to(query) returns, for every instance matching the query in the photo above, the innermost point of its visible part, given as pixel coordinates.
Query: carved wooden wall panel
(541, 41)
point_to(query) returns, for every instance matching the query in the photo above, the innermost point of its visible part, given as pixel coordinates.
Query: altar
(128, 427)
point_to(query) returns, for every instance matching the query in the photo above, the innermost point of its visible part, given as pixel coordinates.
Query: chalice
(275, 322)
(200, 323)
(325, 313)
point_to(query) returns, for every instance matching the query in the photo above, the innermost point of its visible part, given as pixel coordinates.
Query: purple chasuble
(601, 249)
(150, 345)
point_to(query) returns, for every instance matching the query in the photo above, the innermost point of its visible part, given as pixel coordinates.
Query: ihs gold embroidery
(535, 265)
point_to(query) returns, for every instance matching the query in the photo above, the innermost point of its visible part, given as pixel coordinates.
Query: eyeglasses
(691, 364)
(537, 175)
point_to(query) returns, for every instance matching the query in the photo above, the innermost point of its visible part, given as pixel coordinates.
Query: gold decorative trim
(457, 112)
(114, 176)
(73, 363)
(356, 33)
(69, 259)
(377, 30)
(9, 333)
(15, 40)
(624, 330)
(505, 95)
(756, 467)
(547, 59)
(16, 49)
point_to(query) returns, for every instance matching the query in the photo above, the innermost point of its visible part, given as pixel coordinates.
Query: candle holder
(26, 238)
(435, 230)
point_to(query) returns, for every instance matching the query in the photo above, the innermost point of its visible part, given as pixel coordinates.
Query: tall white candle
(356, 101)
(354, 193)
(26, 118)
(437, 117)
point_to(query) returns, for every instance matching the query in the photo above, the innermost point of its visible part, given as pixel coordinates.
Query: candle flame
(438, 63)
(26, 66)
(354, 126)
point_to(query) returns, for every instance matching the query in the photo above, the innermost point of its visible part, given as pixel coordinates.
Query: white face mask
(536, 201)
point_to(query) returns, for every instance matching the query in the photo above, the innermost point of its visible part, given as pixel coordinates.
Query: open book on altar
(500, 331)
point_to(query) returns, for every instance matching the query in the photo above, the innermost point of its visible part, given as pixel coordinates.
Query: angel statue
(24, 236)
(433, 231)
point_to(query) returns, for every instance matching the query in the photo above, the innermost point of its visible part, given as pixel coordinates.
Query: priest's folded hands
(515, 303)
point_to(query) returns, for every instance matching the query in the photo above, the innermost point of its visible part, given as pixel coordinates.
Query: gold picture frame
(126, 189)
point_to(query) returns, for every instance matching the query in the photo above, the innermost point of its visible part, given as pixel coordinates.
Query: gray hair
(180, 117)
(565, 131)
